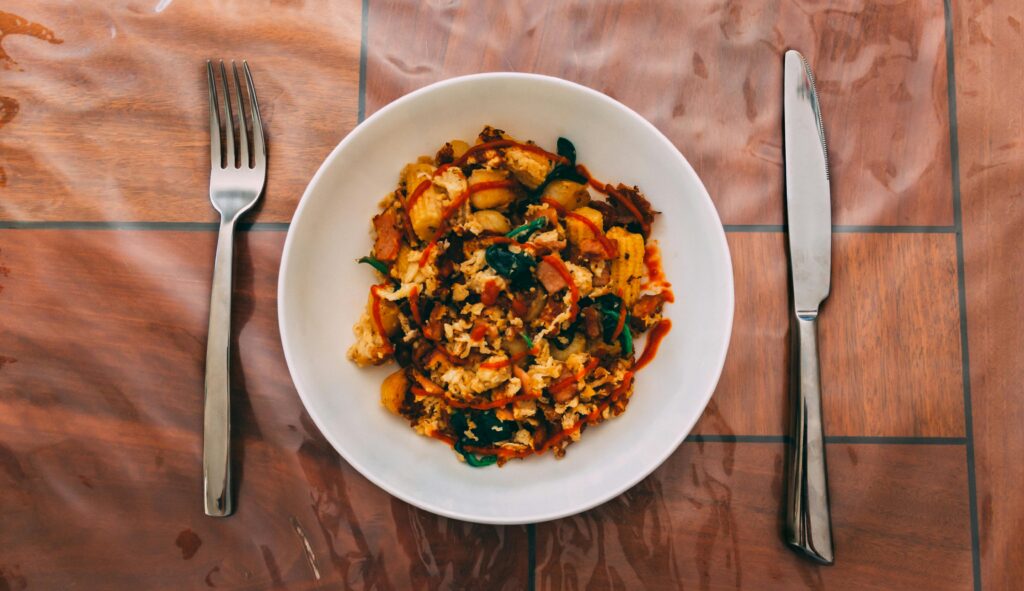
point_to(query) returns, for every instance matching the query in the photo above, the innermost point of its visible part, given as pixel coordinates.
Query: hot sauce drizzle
(375, 312)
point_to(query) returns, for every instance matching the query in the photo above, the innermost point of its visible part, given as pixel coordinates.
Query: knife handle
(808, 518)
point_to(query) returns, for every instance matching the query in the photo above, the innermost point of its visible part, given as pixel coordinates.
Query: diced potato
(459, 148)
(628, 266)
(389, 317)
(578, 344)
(492, 221)
(414, 173)
(490, 198)
(393, 390)
(528, 168)
(577, 231)
(568, 194)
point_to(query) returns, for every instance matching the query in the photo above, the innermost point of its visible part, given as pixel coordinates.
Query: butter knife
(809, 216)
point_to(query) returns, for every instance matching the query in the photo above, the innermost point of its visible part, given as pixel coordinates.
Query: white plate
(322, 291)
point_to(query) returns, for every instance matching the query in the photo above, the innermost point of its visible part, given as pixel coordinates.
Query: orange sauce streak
(655, 273)
(615, 194)
(622, 318)
(375, 312)
(574, 292)
(414, 305)
(507, 144)
(478, 332)
(490, 294)
(572, 380)
(420, 190)
(609, 247)
(653, 340)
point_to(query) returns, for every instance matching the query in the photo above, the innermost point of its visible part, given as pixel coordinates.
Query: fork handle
(808, 519)
(217, 412)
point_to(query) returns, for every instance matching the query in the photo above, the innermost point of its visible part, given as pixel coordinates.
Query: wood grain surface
(990, 91)
(100, 437)
(112, 122)
(709, 519)
(889, 339)
(103, 118)
(708, 73)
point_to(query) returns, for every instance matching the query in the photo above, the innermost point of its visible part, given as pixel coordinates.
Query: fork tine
(229, 123)
(259, 147)
(243, 137)
(215, 144)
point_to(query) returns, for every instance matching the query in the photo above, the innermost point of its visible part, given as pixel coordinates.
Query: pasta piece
(578, 231)
(490, 198)
(491, 221)
(628, 266)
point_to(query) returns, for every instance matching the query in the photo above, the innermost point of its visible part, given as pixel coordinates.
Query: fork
(236, 181)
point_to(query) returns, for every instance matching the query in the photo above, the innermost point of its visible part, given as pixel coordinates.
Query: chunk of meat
(389, 237)
(592, 249)
(550, 278)
(592, 322)
(648, 305)
(603, 275)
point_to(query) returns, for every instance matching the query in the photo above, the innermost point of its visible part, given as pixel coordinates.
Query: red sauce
(622, 319)
(448, 211)
(572, 380)
(574, 292)
(375, 312)
(445, 438)
(507, 144)
(655, 273)
(490, 294)
(414, 305)
(609, 247)
(653, 340)
(420, 189)
(615, 194)
(478, 331)
(519, 307)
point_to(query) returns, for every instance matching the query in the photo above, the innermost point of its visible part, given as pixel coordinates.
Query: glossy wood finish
(709, 518)
(709, 74)
(125, 91)
(889, 339)
(990, 95)
(100, 427)
(102, 332)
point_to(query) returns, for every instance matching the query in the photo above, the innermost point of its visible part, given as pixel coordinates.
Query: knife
(809, 217)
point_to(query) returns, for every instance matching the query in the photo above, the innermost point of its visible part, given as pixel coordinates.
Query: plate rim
(283, 273)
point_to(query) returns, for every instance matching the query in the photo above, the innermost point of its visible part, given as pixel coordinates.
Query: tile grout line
(848, 439)
(965, 365)
(363, 52)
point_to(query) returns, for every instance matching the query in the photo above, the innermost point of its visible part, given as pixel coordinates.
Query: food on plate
(511, 287)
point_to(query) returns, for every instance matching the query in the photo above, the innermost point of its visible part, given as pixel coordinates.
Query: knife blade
(809, 220)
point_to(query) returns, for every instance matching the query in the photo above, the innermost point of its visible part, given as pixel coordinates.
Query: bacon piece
(550, 277)
(389, 237)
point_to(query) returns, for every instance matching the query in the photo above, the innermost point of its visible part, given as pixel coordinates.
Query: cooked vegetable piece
(517, 267)
(491, 221)
(393, 390)
(490, 198)
(375, 264)
(628, 266)
(568, 194)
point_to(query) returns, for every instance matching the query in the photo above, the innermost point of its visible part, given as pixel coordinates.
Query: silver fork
(236, 181)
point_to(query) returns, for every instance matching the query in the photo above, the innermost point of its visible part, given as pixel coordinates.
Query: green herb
(375, 263)
(472, 459)
(610, 306)
(627, 338)
(529, 341)
(516, 266)
(528, 228)
(567, 150)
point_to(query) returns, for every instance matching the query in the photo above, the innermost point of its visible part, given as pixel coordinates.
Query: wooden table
(106, 248)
